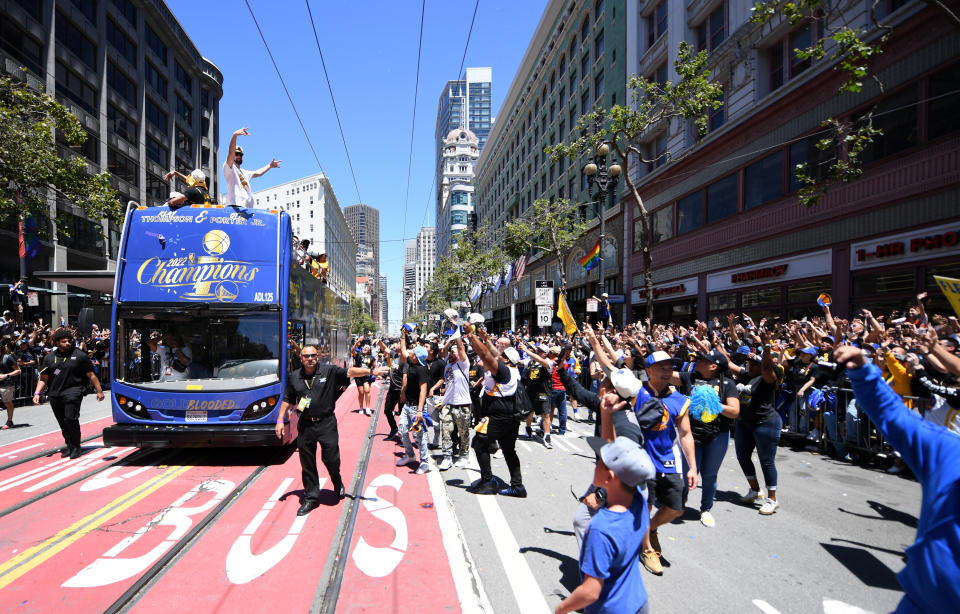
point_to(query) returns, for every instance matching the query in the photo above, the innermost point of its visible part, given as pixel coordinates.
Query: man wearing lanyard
(64, 372)
(313, 391)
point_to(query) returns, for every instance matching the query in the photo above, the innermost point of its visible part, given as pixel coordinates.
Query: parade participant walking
(500, 381)
(9, 372)
(608, 558)
(238, 179)
(758, 428)
(664, 443)
(539, 387)
(455, 411)
(398, 372)
(411, 420)
(64, 373)
(312, 391)
(711, 434)
(362, 357)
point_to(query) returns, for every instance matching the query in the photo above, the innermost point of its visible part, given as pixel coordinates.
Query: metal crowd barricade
(839, 430)
(26, 384)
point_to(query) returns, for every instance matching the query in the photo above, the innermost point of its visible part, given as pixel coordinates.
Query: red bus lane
(91, 546)
(396, 543)
(18, 450)
(260, 546)
(30, 479)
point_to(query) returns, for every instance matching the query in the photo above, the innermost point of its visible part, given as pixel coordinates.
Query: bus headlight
(260, 408)
(132, 407)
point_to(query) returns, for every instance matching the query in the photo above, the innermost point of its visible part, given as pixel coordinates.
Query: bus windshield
(196, 347)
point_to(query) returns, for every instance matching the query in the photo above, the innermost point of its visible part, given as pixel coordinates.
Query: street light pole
(602, 180)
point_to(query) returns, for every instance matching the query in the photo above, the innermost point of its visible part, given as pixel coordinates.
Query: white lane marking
(559, 442)
(765, 607)
(466, 577)
(833, 606)
(13, 453)
(526, 591)
(523, 445)
(378, 562)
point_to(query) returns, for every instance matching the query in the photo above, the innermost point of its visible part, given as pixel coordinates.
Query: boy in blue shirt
(609, 558)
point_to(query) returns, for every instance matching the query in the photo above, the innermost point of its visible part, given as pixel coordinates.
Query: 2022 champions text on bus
(210, 309)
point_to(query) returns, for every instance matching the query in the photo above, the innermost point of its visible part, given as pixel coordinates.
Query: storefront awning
(97, 281)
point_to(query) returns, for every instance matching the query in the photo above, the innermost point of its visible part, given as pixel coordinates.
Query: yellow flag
(951, 289)
(563, 312)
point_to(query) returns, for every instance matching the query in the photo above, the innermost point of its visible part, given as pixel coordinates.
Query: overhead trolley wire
(280, 76)
(334, 101)
(413, 123)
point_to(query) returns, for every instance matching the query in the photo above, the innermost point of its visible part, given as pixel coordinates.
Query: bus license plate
(196, 416)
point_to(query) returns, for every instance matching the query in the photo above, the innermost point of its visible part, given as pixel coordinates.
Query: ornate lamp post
(602, 180)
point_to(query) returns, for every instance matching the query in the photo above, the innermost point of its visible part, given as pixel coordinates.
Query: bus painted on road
(211, 307)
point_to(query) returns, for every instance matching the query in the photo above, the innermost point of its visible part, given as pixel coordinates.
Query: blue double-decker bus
(210, 309)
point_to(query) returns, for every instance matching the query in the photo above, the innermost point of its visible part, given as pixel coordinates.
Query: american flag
(519, 266)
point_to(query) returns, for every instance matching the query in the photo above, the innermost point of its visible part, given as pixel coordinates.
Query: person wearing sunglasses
(312, 391)
(238, 179)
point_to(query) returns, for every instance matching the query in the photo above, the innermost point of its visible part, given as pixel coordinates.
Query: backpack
(521, 402)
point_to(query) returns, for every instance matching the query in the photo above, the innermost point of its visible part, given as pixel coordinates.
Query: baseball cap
(450, 313)
(475, 318)
(543, 348)
(421, 353)
(555, 349)
(628, 461)
(625, 382)
(658, 356)
(716, 358)
(238, 150)
(811, 351)
(743, 349)
(830, 337)
(432, 337)
(604, 295)
(512, 355)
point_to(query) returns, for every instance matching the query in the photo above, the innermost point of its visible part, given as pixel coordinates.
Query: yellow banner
(951, 289)
(563, 312)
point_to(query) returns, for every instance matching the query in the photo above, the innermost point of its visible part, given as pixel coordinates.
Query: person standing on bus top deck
(175, 357)
(312, 391)
(237, 178)
(64, 373)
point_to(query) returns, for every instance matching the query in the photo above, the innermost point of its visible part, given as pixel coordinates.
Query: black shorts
(667, 490)
(361, 381)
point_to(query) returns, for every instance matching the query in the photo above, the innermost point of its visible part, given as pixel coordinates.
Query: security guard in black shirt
(65, 372)
(312, 391)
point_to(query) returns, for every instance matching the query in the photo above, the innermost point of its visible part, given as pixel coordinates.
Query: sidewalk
(33, 420)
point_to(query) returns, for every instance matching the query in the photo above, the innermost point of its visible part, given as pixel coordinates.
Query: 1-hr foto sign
(544, 292)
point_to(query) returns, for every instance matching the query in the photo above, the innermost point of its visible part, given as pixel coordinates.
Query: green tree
(553, 227)
(30, 166)
(621, 128)
(473, 262)
(360, 320)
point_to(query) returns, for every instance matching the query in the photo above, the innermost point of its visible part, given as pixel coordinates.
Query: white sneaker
(462, 461)
(423, 468)
(769, 506)
(707, 519)
(445, 464)
(752, 496)
(813, 435)
(405, 460)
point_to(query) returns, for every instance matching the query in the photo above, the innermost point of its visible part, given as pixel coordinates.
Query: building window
(122, 126)
(722, 198)
(182, 77)
(184, 142)
(657, 23)
(154, 42)
(784, 63)
(155, 116)
(763, 180)
(75, 88)
(659, 75)
(817, 161)
(157, 152)
(34, 8)
(598, 45)
(24, 49)
(155, 79)
(126, 8)
(717, 116)
(944, 92)
(585, 63)
(123, 86)
(896, 115)
(661, 224)
(119, 41)
(585, 29)
(713, 30)
(71, 37)
(123, 167)
(585, 102)
(184, 111)
(598, 85)
(157, 189)
(690, 212)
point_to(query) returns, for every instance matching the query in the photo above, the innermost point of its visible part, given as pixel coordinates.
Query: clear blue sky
(370, 49)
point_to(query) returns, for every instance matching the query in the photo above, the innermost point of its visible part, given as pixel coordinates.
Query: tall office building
(316, 215)
(364, 223)
(425, 263)
(409, 276)
(464, 105)
(384, 304)
(455, 210)
(147, 98)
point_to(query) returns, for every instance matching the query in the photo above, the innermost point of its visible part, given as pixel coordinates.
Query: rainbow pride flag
(592, 257)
